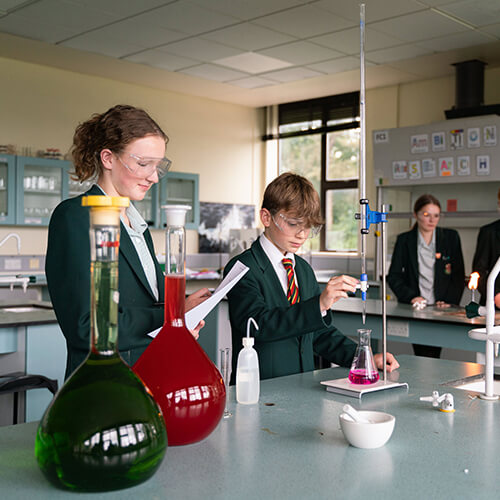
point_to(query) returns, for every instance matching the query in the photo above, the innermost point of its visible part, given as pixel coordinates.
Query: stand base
(345, 387)
(488, 398)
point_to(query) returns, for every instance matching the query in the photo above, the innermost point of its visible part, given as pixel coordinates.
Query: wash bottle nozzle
(249, 341)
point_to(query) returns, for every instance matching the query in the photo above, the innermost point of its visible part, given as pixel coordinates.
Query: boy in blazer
(284, 298)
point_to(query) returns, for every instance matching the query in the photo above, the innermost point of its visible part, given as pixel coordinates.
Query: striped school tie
(292, 290)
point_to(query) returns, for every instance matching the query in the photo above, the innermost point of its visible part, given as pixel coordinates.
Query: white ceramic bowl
(372, 435)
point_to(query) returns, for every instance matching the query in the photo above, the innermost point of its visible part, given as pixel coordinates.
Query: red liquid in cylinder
(184, 381)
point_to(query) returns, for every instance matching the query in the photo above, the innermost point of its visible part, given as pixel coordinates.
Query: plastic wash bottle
(247, 370)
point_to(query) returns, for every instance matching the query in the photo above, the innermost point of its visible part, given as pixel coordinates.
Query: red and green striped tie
(292, 290)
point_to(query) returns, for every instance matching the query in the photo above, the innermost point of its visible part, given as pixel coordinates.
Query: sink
(25, 308)
(475, 383)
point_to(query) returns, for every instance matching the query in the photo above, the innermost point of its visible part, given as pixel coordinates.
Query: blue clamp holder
(372, 217)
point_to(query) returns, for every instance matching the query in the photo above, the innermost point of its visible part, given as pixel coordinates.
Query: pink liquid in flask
(362, 376)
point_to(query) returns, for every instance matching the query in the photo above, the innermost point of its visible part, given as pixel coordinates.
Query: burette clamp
(371, 217)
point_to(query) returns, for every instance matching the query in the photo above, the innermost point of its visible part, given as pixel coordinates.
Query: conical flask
(184, 381)
(363, 369)
(103, 430)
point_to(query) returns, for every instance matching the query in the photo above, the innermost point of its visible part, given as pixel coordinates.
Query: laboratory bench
(290, 446)
(446, 328)
(30, 342)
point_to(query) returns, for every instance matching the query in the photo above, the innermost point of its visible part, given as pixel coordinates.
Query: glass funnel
(363, 369)
(103, 430)
(183, 379)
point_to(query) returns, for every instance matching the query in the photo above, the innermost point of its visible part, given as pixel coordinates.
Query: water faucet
(12, 280)
(17, 237)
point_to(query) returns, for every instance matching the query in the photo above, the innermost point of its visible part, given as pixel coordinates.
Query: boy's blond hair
(295, 195)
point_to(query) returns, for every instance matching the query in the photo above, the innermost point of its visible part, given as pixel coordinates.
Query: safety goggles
(293, 227)
(145, 165)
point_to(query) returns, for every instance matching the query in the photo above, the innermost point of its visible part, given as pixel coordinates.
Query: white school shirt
(426, 262)
(136, 232)
(276, 256)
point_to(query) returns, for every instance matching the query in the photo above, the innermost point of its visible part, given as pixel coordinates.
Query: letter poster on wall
(446, 167)
(462, 150)
(483, 165)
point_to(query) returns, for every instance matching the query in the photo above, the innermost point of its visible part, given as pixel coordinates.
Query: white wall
(41, 106)
(419, 103)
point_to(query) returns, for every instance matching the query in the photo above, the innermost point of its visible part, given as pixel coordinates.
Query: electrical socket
(398, 328)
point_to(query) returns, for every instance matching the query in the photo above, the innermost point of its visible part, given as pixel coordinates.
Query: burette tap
(367, 217)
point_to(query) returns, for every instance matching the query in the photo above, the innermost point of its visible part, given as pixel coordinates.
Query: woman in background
(123, 150)
(427, 266)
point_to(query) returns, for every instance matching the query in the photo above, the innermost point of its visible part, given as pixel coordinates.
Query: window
(319, 139)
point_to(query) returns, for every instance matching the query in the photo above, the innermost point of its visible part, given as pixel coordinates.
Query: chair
(19, 382)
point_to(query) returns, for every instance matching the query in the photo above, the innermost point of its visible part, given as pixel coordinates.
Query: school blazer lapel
(127, 250)
(129, 253)
(413, 249)
(269, 275)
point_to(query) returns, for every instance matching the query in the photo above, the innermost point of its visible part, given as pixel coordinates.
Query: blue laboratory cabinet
(178, 188)
(7, 189)
(41, 184)
(148, 207)
(31, 187)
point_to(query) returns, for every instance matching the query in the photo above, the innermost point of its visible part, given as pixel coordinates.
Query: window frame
(343, 106)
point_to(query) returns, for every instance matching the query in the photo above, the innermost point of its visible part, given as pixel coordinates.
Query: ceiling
(252, 52)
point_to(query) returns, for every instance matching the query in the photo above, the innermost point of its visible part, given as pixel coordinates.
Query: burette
(367, 216)
(362, 161)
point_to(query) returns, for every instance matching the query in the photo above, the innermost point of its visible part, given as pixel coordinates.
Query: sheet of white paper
(195, 315)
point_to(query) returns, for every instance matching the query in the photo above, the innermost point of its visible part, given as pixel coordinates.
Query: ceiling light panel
(301, 52)
(249, 37)
(252, 63)
(304, 21)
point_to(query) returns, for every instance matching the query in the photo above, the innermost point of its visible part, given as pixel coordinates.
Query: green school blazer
(288, 336)
(67, 267)
(486, 256)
